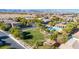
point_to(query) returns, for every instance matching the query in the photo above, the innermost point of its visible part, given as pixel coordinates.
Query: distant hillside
(41, 10)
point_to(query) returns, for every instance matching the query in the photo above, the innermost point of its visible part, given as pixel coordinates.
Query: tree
(7, 27)
(55, 18)
(10, 18)
(70, 27)
(4, 26)
(15, 31)
(61, 20)
(62, 38)
(77, 25)
(51, 23)
(37, 21)
(18, 19)
(54, 35)
(47, 30)
(23, 21)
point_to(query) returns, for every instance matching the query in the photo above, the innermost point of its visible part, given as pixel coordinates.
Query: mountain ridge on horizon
(41, 10)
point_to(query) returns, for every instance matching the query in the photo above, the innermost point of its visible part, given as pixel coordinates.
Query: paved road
(13, 41)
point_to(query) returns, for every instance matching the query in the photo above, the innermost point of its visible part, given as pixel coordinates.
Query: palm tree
(51, 23)
(18, 19)
(15, 31)
(55, 18)
(54, 35)
(62, 38)
(70, 27)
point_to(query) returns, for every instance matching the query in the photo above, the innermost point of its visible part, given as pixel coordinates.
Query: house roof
(76, 35)
(46, 20)
(76, 45)
(60, 24)
(73, 43)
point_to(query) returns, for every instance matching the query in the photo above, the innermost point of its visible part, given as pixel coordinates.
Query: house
(8, 15)
(30, 16)
(72, 43)
(46, 20)
(60, 25)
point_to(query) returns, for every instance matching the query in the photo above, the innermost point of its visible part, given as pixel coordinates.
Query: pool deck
(55, 28)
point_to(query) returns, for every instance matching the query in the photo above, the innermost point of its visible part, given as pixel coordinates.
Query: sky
(39, 4)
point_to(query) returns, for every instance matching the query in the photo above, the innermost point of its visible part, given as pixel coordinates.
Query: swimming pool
(54, 28)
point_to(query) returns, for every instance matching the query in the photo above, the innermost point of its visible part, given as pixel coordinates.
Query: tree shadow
(4, 37)
(27, 35)
(4, 43)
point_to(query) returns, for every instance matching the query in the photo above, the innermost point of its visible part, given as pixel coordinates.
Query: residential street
(14, 43)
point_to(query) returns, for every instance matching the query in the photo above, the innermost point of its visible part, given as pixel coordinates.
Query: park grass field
(5, 47)
(37, 37)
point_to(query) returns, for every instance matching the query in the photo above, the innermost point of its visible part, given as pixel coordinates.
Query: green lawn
(37, 37)
(5, 47)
